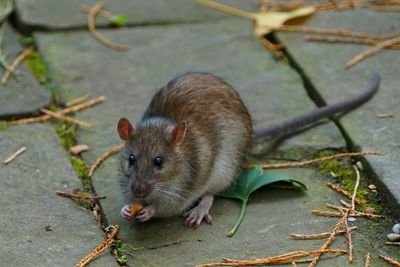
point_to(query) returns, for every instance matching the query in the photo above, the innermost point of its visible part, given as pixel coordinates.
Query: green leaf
(248, 182)
(119, 20)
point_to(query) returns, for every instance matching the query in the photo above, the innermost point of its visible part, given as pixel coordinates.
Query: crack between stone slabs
(28, 29)
(87, 183)
(312, 91)
(319, 101)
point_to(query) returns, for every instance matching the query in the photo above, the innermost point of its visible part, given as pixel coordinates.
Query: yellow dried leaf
(265, 22)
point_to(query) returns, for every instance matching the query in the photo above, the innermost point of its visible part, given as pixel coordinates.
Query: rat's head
(151, 159)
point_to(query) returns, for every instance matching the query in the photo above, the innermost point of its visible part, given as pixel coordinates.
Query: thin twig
(271, 46)
(344, 192)
(334, 231)
(348, 235)
(100, 248)
(344, 203)
(96, 34)
(339, 39)
(337, 214)
(15, 155)
(338, 32)
(72, 109)
(15, 63)
(103, 157)
(78, 196)
(312, 161)
(386, 115)
(103, 13)
(60, 116)
(285, 258)
(389, 260)
(370, 51)
(317, 236)
(77, 100)
(368, 260)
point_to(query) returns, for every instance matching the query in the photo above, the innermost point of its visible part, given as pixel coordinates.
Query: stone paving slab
(28, 204)
(324, 64)
(21, 95)
(80, 65)
(52, 14)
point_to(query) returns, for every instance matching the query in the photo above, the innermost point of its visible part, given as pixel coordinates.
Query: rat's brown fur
(218, 135)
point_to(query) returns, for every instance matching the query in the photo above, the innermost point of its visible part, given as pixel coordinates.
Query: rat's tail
(297, 123)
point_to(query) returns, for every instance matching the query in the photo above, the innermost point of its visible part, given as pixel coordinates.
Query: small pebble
(76, 150)
(372, 187)
(393, 237)
(396, 228)
(351, 219)
(369, 210)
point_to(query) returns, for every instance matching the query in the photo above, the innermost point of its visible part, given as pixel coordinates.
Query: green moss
(66, 132)
(39, 70)
(80, 167)
(36, 64)
(347, 177)
(3, 125)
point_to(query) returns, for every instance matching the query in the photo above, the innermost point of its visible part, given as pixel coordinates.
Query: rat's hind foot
(145, 214)
(200, 212)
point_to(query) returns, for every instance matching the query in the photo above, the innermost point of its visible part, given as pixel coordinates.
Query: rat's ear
(178, 133)
(125, 129)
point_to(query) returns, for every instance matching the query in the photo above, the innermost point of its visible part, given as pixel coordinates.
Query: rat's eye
(131, 159)
(158, 161)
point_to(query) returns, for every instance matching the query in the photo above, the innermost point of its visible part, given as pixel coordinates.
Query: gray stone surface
(58, 14)
(21, 95)
(324, 64)
(273, 92)
(28, 204)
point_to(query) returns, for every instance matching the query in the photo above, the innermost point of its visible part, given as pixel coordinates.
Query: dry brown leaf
(76, 150)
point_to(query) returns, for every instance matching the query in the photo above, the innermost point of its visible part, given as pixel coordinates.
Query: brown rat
(190, 143)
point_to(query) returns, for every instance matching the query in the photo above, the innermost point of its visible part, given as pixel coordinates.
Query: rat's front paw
(145, 214)
(126, 212)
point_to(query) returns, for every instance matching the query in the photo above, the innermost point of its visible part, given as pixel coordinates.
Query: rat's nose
(140, 191)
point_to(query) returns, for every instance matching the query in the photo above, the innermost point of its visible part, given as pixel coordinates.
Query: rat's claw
(196, 215)
(145, 214)
(126, 212)
(200, 212)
